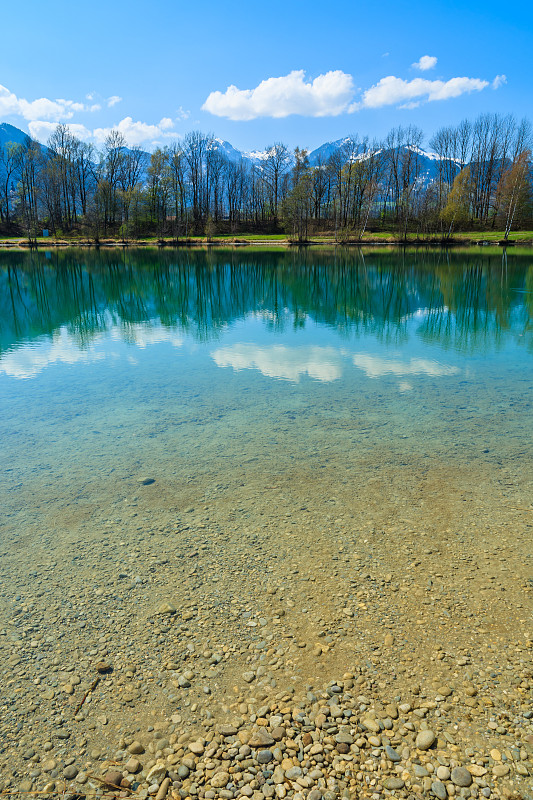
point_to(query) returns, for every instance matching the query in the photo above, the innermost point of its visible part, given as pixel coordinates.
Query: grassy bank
(244, 240)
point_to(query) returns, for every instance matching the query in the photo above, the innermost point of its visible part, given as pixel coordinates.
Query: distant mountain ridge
(9, 134)
(320, 155)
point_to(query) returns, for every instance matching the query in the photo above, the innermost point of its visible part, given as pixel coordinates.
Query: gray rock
(439, 790)
(261, 738)
(392, 754)
(227, 730)
(425, 739)
(393, 783)
(264, 756)
(69, 773)
(293, 773)
(461, 776)
(344, 737)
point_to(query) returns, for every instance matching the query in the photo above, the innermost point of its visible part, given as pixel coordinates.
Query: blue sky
(157, 70)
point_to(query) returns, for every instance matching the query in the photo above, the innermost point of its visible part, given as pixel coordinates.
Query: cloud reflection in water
(280, 361)
(323, 363)
(31, 358)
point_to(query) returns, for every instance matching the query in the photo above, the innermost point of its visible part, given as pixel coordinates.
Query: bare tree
(9, 158)
(273, 170)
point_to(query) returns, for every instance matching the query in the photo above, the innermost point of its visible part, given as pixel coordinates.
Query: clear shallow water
(187, 366)
(340, 446)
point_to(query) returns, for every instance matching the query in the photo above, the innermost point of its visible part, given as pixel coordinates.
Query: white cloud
(182, 113)
(41, 108)
(42, 130)
(391, 91)
(333, 93)
(113, 100)
(137, 133)
(279, 361)
(498, 81)
(326, 96)
(425, 63)
(377, 366)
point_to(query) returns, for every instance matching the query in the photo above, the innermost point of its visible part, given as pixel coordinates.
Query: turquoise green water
(199, 368)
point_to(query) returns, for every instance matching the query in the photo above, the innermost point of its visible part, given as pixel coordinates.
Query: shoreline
(43, 244)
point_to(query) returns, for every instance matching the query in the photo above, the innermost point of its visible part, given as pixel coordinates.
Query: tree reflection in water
(465, 300)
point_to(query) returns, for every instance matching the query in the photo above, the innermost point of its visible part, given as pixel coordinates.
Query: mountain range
(428, 161)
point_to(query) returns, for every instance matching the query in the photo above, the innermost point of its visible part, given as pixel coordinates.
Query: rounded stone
(425, 739)
(499, 770)
(443, 773)
(391, 754)
(219, 780)
(461, 776)
(113, 778)
(439, 790)
(293, 773)
(393, 783)
(69, 773)
(264, 756)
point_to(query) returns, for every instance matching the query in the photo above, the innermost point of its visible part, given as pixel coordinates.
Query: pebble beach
(268, 647)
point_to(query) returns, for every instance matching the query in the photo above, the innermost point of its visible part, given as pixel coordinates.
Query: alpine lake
(266, 523)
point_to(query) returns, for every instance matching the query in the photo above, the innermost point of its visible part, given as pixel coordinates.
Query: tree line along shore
(478, 186)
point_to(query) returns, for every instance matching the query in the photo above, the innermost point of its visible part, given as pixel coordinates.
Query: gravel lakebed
(268, 640)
